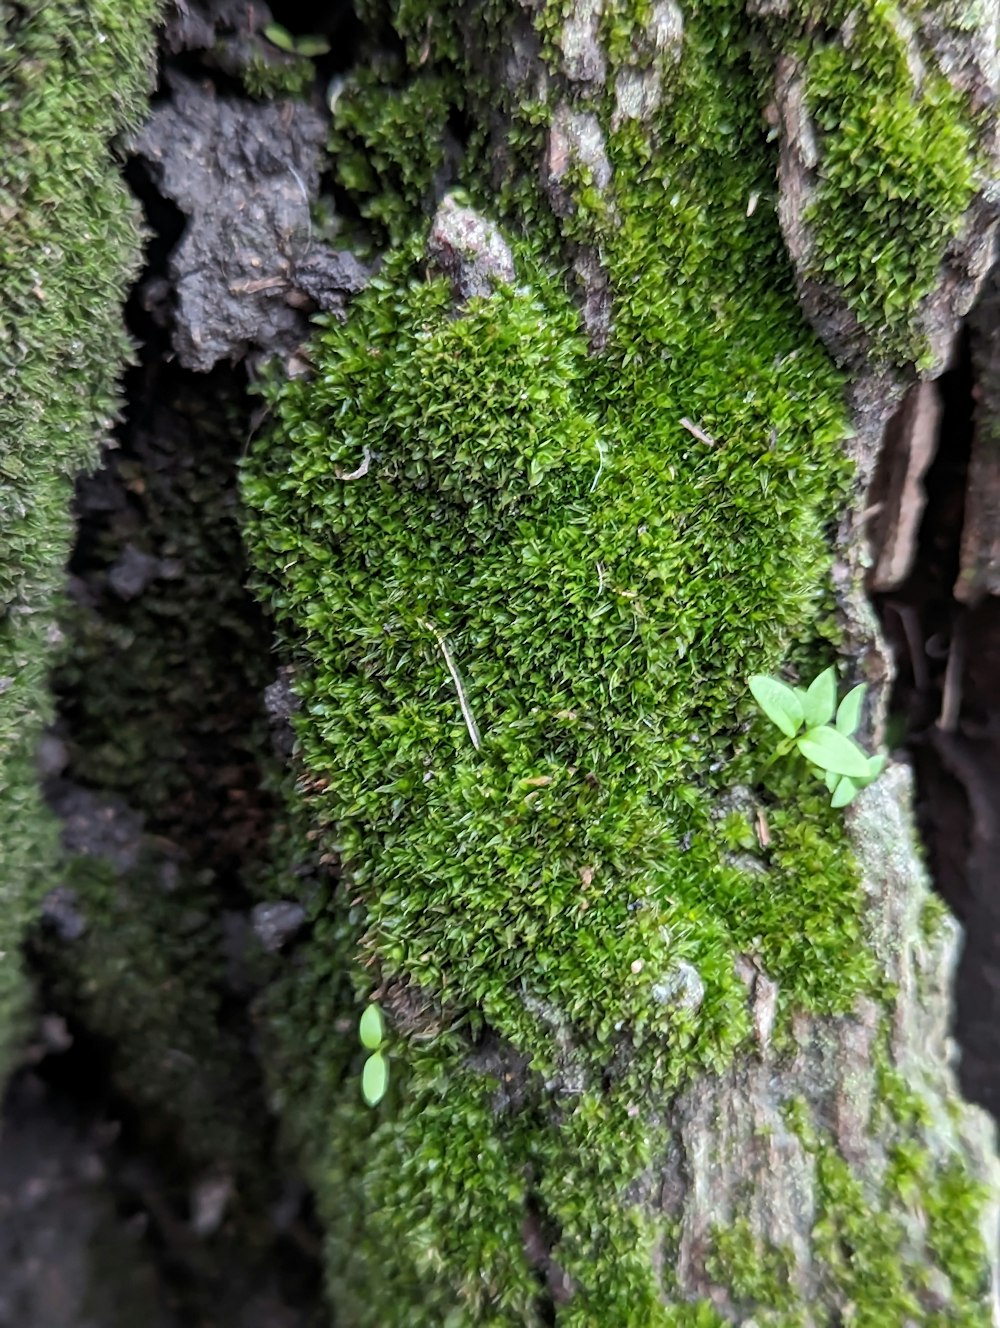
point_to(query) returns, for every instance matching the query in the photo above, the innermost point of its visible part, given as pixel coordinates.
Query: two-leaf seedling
(310, 45)
(812, 721)
(375, 1075)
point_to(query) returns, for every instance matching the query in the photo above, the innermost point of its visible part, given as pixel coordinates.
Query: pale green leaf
(312, 45)
(849, 710)
(876, 764)
(830, 750)
(831, 779)
(371, 1029)
(821, 699)
(779, 702)
(280, 37)
(844, 793)
(374, 1079)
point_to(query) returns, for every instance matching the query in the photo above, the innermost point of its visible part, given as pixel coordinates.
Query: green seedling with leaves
(375, 1075)
(311, 44)
(822, 731)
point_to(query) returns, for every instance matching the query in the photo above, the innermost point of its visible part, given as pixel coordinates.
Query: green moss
(73, 74)
(530, 624)
(954, 1203)
(934, 913)
(910, 1248)
(388, 145)
(756, 1275)
(897, 167)
(276, 75)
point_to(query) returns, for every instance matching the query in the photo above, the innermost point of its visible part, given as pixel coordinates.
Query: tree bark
(620, 394)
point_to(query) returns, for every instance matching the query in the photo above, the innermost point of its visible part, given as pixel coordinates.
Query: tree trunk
(622, 396)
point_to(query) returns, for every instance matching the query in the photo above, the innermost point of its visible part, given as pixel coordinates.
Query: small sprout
(311, 45)
(375, 1075)
(804, 717)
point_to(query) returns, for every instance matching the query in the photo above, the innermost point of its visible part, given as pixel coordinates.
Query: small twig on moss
(366, 461)
(600, 453)
(700, 434)
(467, 715)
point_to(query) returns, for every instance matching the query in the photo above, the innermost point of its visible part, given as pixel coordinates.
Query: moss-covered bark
(73, 75)
(667, 1036)
(666, 1032)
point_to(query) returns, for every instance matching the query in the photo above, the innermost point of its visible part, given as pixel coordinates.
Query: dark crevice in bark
(946, 709)
(159, 761)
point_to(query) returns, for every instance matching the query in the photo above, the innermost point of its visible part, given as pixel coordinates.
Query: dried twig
(600, 453)
(463, 702)
(366, 461)
(700, 434)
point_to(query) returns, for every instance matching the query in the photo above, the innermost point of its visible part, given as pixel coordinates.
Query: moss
(756, 1275)
(275, 75)
(73, 73)
(530, 624)
(907, 1249)
(934, 914)
(388, 145)
(897, 168)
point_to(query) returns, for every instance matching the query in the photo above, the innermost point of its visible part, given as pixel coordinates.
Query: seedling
(375, 1075)
(821, 730)
(308, 45)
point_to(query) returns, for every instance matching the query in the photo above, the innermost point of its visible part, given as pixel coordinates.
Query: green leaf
(280, 37)
(821, 698)
(371, 1029)
(876, 764)
(845, 792)
(830, 750)
(374, 1079)
(312, 45)
(831, 779)
(779, 702)
(849, 710)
